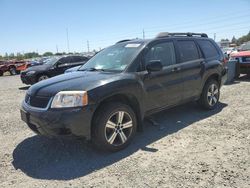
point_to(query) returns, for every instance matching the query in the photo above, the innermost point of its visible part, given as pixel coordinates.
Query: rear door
(191, 64)
(163, 88)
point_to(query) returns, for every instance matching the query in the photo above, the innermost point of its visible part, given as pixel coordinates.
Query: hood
(38, 68)
(79, 80)
(240, 54)
(72, 69)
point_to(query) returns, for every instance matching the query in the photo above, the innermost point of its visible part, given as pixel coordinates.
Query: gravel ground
(189, 148)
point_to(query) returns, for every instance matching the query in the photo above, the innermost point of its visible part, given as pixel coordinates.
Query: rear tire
(210, 95)
(1, 73)
(114, 126)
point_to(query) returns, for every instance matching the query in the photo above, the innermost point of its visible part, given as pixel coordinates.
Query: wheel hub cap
(118, 128)
(213, 95)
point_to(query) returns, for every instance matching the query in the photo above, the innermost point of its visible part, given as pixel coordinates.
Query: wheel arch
(127, 99)
(11, 66)
(214, 76)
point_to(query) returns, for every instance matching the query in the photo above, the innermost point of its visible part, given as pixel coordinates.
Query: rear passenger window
(76, 59)
(188, 51)
(164, 52)
(208, 48)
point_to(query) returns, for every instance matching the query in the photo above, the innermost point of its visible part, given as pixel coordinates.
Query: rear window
(208, 49)
(188, 50)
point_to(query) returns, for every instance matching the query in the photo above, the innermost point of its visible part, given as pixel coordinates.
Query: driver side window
(63, 62)
(163, 52)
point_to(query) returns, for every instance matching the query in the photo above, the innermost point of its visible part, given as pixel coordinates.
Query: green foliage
(48, 54)
(234, 40)
(30, 55)
(243, 39)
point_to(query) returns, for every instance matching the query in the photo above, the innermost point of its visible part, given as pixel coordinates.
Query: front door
(163, 88)
(62, 65)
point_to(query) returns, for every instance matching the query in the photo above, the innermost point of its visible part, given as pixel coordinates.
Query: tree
(243, 39)
(48, 54)
(19, 56)
(30, 55)
(234, 40)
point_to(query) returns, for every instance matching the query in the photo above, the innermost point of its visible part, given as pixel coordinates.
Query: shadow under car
(44, 158)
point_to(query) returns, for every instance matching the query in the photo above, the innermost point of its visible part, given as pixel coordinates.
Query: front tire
(114, 127)
(210, 95)
(13, 71)
(42, 77)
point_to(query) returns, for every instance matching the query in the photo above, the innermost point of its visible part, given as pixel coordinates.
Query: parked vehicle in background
(13, 67)
(243, 66)
(228, 51)
(52, 67)
(107, 99)
(72, 69)
(245, 46)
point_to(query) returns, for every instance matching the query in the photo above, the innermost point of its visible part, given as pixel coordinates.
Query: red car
(14, 67)
(243, 57)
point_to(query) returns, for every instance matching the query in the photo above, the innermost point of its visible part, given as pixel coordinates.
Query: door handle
(176, 69)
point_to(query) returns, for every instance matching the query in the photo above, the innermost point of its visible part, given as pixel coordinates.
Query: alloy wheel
(43, 77)
(118, 128)
(213, 94)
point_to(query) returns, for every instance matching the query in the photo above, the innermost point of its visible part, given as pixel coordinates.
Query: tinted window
(64, 60)
(76, 59)
(84, 58)
(164, 52)
(208, 48)
(188, 51)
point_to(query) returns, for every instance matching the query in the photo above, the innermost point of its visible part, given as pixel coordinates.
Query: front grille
(37, 101)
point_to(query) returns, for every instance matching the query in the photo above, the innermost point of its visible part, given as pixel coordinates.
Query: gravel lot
(189, 148)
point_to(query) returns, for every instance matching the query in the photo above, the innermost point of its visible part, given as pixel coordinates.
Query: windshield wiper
(92, 69)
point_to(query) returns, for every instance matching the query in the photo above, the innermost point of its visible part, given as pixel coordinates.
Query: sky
(42, 25)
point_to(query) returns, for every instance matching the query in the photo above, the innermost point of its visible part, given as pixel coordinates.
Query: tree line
(239, 41)
(29, 55)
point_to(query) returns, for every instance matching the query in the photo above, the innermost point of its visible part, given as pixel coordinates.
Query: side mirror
(154, 65)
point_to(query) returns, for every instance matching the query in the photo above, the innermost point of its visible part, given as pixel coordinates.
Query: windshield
(51, 61)
(114, 58)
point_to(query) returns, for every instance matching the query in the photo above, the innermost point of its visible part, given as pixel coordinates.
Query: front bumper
(28, 79)
(58, 122)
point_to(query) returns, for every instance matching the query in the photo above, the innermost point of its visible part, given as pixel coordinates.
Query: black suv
(53, 67)
(107, 99)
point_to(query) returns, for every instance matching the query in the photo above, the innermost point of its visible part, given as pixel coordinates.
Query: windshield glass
(114, 58)
(51, 61)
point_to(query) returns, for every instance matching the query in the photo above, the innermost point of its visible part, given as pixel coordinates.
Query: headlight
(30, 72)
(67, 99)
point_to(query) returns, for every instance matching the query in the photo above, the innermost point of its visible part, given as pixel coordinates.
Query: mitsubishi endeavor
(107, 98)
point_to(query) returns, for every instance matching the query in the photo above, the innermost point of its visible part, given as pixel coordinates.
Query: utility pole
(143, 34)
(214, 36)
(67, 39)
(88, 45)
(56, 49)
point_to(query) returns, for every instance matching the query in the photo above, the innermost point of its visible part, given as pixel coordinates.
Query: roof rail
(125, 40)
(167, 34)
